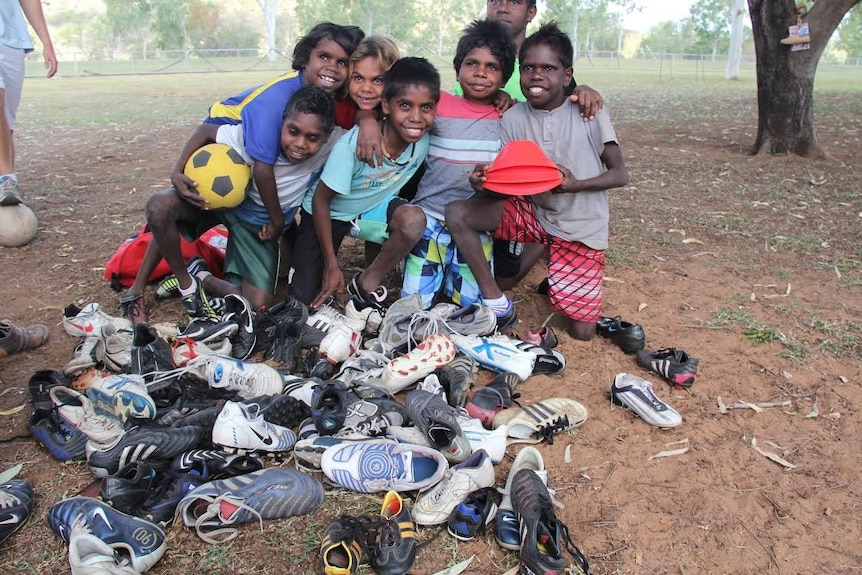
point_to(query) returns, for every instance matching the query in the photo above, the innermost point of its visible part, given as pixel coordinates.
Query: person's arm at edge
(264, 181)
(36, 17)
(614, 176)
(333, 278)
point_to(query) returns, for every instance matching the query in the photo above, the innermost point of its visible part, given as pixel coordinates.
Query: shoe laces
(546, 432)
(581, 565)
(212, 517)
(426, 323)
(8, 500)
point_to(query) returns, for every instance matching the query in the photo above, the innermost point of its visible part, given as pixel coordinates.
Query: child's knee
(161, 207)
(455, 215)
(410, 220)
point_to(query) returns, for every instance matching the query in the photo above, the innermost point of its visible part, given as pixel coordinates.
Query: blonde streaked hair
(379, 47)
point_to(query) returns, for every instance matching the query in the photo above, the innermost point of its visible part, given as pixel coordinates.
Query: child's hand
(477, 177)
(503, 102)
(369, 146)
(590, 101)
(270, 232)
(333, 281)
(186, 188)
(570, 183)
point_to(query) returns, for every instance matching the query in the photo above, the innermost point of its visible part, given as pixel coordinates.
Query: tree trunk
(270, 13)
(785, 79)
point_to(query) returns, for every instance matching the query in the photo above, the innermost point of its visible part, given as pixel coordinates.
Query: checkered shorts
(575, 270)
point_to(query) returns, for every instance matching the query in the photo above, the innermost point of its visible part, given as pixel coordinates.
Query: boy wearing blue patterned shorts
(466, 132)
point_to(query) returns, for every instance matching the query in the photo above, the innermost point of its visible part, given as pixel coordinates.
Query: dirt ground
(753, 265)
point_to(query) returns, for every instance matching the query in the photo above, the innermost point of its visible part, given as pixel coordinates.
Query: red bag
(123, 266)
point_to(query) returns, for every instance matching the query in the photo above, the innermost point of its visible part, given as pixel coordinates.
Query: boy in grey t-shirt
(570, 220)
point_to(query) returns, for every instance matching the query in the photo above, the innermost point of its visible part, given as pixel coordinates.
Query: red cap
(521, 169)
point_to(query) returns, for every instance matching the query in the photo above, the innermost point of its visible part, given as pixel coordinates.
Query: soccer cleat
(16, 504)
(342, 546)
(62, 440)
(118, 348)
(14, 339)
(315, 365)
(248, 379)
(135, 541)
(151, 356)
(122, 396)
(291, 310)
(436, 505)
(430, 355)
(438, 422)
(209, 331)
(497, 353)
(281, 409)
(140, 443)
(40, 385)
(219, 464)
(199, 304)
(673, 364)
(241, 428)
(457, 377)
(470, 517)
(78, 410)
(506, 529)
(542, 534)
(185, 350)
(367, 307)
(132, 308)
(329, 407)
(238, 310)
(542, 337)
(170, 488)
(371, 417)
(508, 320)
(89, 320)
(548, 362)
(395, 544)
(636, 394)
(126, 489)
(542, 419)
(88, 352)
(378, 465)
(170, 286)
(215, 507)
(483, 403)
(326, 316)
(493, 441)
(339, 343)
(629, 336)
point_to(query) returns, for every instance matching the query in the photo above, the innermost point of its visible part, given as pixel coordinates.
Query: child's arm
(590, 101)
(369, 146)
(264, 180)
(185, 186)
(333, 277)
(614, 176)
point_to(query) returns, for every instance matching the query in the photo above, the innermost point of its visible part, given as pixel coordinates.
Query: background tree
(785, 79)
(737, 36)
(710, 20)
(850, 33)
(270, 14)
(591, 24)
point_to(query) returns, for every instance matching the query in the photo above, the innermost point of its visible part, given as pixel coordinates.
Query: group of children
(339, 137)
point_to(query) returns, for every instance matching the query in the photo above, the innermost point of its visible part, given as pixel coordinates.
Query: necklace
(394, 160)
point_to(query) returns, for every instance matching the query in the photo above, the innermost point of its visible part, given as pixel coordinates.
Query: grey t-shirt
(571, 142)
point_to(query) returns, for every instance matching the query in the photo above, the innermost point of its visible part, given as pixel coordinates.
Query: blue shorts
(434, 263)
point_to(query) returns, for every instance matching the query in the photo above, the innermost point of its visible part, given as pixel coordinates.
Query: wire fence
(664, 66)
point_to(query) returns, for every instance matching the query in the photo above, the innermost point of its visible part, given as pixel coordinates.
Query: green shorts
(247, 259)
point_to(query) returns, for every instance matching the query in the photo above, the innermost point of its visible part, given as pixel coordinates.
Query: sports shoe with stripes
(16, 504)
(89, 320)
(238, 310)
(249, 379)
(170, 286)
(497, 353)
(209, 331)
(273, 493)
(506, 529)
(135, 542)
(140, 443)
(542, 419)
(438, 421)
(674, 365)
(326, 316)
(395, 544)
(219, 464)
(636, 394)
(241, 428)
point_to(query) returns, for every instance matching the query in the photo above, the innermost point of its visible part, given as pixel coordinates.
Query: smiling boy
(353, 197)
(571, 221)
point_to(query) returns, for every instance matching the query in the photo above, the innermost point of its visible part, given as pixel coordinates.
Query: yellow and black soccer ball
(221, 174)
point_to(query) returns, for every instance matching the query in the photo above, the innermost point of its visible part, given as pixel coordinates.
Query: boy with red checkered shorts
(571, 220)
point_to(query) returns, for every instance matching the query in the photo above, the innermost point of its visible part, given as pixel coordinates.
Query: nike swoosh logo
(13, 519)
(99, 512)
(266, 440)
(88, 328)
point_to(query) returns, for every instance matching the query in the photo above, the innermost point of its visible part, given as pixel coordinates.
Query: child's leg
(164, 210)
(575, 274)
(465, 220)
(406, 225)
(460, 285)
(307, 265)
(426, 263)
(529, 257)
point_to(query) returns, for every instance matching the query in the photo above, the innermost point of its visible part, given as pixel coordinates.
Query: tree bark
(785, 79)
